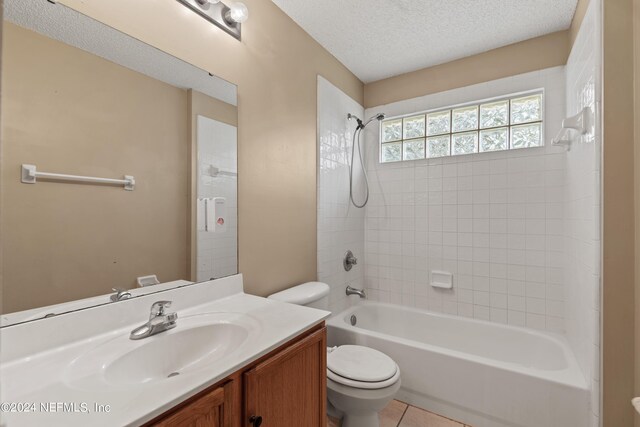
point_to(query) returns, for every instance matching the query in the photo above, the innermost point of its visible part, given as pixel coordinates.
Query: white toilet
(361, 381)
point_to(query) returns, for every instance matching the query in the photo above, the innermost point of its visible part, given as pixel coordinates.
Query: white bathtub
(482, 373)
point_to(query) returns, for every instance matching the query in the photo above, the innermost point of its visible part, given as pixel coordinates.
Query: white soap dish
(147, 280)
(441, 279)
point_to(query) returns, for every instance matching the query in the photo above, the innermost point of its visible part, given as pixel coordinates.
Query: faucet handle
(158, 308)
(349, 260)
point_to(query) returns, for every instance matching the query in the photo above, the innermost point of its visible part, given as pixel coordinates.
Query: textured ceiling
(376, 39)
(68, 26)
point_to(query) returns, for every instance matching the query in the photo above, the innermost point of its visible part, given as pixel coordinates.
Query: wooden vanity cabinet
(289, 388)
(285, 388)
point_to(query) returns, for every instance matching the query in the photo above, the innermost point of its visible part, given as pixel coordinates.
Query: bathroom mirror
(145, 147)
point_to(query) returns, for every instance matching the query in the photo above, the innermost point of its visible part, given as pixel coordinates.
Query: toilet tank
(310, 294)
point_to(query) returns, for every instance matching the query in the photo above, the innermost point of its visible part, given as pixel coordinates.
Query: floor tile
(399, 414)
(415, 417)
(391, 415)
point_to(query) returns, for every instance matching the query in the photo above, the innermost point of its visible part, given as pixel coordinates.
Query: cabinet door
(213, 409)
(289, 389)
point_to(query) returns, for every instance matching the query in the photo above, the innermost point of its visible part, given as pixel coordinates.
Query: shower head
(361, 125)
(379, 117)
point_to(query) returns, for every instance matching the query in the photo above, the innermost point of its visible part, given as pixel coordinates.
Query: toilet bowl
(361, 381)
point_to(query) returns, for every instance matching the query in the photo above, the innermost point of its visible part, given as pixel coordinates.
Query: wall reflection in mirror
(82, 99)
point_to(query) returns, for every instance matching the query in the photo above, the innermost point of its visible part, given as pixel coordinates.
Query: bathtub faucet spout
(354, 291)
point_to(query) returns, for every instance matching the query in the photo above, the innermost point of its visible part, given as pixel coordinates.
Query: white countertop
(40, 373)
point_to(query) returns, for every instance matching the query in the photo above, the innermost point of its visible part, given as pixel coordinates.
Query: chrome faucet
(159, 321)
(120, 294)
(354, 291)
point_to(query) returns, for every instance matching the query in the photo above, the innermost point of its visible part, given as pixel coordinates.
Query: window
(499, 124)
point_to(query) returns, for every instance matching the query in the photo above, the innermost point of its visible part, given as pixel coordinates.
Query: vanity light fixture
(226, 17)
(237, 13)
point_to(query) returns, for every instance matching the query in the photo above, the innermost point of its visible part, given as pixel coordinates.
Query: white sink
(173, 354)
(194, 344)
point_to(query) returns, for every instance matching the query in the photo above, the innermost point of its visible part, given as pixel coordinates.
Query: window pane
(527, 109)
(493, 140)
(493, 126)
(392, 152)
(465, 118)
(414, 127)
(494, 114)
(439, 123)
(438, 146)
(413, 149)
(392, 130)
(526, 136)
(464, 143)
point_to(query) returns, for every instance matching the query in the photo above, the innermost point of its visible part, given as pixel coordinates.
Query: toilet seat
(361, 367)
(363, 384)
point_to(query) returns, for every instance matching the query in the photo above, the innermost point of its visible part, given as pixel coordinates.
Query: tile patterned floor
(399, 414)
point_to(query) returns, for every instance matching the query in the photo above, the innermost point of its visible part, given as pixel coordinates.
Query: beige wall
(71, 241)
(618, 214)
(578, 16)
(201, 105)
(1, 155)
(534, 54)
(275, 67)
(636, 77)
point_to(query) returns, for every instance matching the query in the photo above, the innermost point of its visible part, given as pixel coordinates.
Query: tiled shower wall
(217, 147)
(582, 208)
(340, 225)
(494, 220)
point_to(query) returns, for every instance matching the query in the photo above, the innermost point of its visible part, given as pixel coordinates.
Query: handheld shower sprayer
(356, 137)
(360, 124)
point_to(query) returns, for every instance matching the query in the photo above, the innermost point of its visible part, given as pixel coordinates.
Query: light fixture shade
(237, 12)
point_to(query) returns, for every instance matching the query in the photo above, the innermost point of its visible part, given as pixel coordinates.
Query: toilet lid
(360, 363)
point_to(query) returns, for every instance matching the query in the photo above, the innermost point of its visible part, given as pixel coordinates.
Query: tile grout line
(403, 413)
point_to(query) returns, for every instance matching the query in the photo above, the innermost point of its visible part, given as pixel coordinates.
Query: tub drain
(173, 374)
(354, 320)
